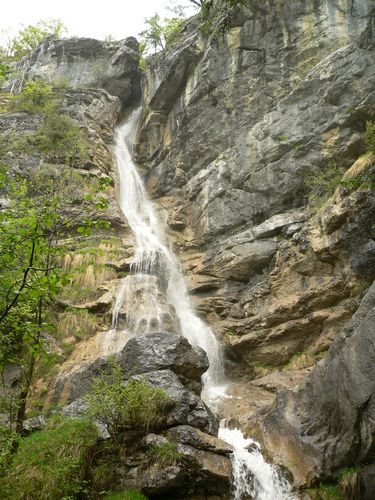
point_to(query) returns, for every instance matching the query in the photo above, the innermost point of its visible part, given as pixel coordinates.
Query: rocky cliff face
(84, 62)
(233, 129)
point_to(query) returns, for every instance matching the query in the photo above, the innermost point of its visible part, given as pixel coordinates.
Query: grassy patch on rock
(51, 463)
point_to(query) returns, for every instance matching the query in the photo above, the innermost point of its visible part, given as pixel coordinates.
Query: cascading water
(156, 289)
(154, 296)
(253, 477)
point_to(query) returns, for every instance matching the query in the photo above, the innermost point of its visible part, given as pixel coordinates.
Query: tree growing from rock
(160, 33)
(29, 38)
(41, 206)
(215, 13)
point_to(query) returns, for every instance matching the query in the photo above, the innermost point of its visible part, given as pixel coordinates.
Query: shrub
(51, 464)
(8, 440)
(370, 136)
(60, 137)
(299, 361)
(77, 322)
(329, 491)
(348, 482)
(124, 407)
(34, 98)
(164, 455)
(322, 184)
(126, 495)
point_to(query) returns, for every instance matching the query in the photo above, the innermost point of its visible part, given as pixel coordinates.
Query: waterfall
(154, 297)
(253, 477)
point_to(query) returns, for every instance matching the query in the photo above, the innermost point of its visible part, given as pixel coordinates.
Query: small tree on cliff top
(160, 33)
(29, 37)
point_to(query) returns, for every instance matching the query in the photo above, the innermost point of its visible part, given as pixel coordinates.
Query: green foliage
(161, 33)
(51, 464)
(60, 138)
(348, 482)
(4, 71)
(31, 36)
(321, 184)
(299, 361)
(370, 136)
(126, 495)
(327, 491)
(131, 406)
(28, 274)
(164, 455)
(34, 98)
(215, 14)
(38, 214)
(77, 322)
(8, 440)
(262, 369)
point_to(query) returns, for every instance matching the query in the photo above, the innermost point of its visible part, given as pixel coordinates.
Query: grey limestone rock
(191, 436)
(189, 409)
(329, 420)
(161, 351)
(84, 62)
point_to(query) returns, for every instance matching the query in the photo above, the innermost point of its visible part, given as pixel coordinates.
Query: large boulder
(189, 409)
(137, 355)
(199, 463)
(160, 351)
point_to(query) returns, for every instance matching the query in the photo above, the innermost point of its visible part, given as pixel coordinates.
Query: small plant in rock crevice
(321, 184)
(299, 361)
(163, 455)
(370, 136)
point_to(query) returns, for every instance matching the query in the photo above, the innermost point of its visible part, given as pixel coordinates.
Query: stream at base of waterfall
(159, 300)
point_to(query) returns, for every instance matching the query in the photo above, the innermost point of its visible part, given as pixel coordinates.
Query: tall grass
(51, 464)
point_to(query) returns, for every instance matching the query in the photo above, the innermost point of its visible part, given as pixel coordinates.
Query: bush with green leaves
(321, 184)
(41, 210)
(164, 455)
(8, 442)
(370, 136)
(60, 138)
(29, 37)
(126, 495)
(127, 406)
(160, 33)
(35, 97)
(51, 464)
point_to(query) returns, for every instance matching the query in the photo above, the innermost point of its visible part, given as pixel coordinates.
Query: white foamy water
(158, 278)
(252, 475)
(155, 296)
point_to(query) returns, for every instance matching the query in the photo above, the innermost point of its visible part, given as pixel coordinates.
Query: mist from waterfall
(154, 296)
